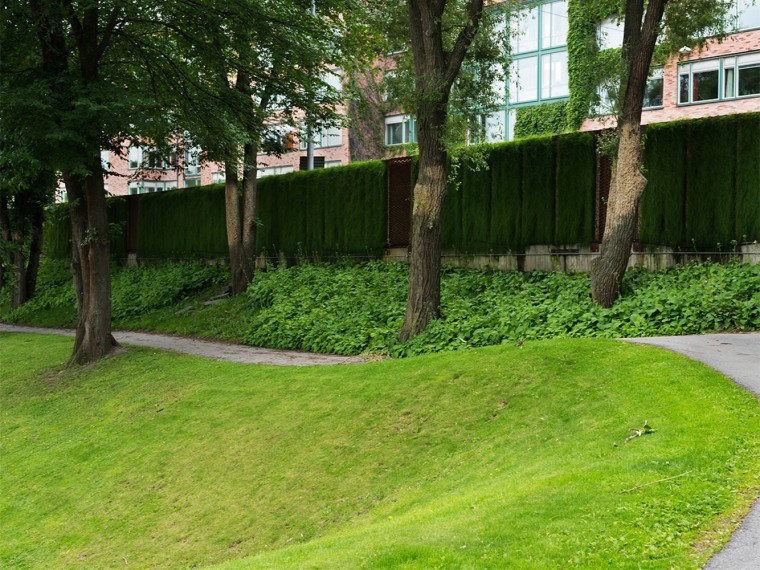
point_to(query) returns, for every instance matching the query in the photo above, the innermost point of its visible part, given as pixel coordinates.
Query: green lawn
(500, 457)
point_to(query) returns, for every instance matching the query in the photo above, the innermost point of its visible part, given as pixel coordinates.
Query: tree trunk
(18, 287)
(234, 230)
(628, 184)
(90, 265)
(250, 211)
(35, 250)
(5, 237)
(423, 302)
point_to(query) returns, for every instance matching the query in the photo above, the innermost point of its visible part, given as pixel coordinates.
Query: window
(192, 182)
(699, 82)
(539, 66)
(654, 89)
(719, 79)
(334, 79)
(611, 33)
(151, 186)
(327, 137)
(274, 170)
(193, 161)
(217, 177)
(333, 163)
(748, 67)
(134, 155)
(553, 24)
(748, 14)
(554, 78)
(399, 129)
(524, 34)
(523, 80)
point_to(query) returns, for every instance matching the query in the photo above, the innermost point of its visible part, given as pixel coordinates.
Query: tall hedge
(710, 195)
(506, 197)
(538, 201)
(576, 185)
(662, 206)
(748, 178)
(325, 212)
(189, 222)
(56, 232)
(476, 207)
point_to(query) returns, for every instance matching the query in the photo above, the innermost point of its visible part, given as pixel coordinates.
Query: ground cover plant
(499, 457)
(353, 308)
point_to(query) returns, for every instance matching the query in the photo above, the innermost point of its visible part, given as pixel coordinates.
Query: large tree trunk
(250, 211)
(18, 287)
(435, 71)
(234, 230)
(35, 249)
(423, 302)
(642, 24)
(628, 184)
(91, 260)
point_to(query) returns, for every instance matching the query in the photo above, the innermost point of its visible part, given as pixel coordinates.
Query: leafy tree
(241, 88)
(446, 79)
(644, 25)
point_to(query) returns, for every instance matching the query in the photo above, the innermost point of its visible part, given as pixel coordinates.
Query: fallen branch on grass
(654, 482)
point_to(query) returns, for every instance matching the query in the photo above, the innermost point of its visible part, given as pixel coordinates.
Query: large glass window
(524, 32)
(554, 78)
(749, 74)
(654, 89)
(523, 80)
(553, 24)
(399, 129)
(611, 33)
(748, 14)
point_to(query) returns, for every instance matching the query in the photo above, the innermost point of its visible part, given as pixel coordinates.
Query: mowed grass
(501, 457)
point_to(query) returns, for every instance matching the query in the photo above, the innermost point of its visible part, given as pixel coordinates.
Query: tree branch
(466, 35)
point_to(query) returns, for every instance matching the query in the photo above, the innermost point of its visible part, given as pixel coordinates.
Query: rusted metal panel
(399, 200)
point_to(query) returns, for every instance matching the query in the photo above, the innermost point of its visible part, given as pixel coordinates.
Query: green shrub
(543, 119)
(506, 197)
(539, 169)
(748, 178)
(662, 206)
(576, 189)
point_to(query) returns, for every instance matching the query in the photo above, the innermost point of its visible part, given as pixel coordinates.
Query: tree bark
(628, 183)
(234, 230)
(435, 71)
(35, 249)
(5, 236)
(18, 288)
(424, 298)
(250, 211)
(90, 238)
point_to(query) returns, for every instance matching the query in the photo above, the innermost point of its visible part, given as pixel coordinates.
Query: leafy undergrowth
(501, 457)
(351, 308)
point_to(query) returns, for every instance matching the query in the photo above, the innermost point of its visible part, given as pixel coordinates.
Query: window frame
(725, 63)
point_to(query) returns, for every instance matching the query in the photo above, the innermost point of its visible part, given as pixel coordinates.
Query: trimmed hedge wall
(704, 189)
(56, 233)
(187, 222)
(704, 182)
(535, 191)
(328, 211)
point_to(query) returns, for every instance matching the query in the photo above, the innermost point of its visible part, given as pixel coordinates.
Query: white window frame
(407, 129)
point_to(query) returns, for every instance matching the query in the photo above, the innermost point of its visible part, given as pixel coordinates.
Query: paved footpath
(738, 357)
(217, 350)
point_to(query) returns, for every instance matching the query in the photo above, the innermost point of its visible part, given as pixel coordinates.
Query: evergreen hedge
(748, 178)
(56, 233)
(506, 197)
(576, 184)
(539, 168)
(183, 223)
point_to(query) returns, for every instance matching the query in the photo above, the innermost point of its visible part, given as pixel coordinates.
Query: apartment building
(723, 77)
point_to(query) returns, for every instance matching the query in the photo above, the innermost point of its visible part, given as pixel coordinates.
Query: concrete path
(738, 357)
(217, 350)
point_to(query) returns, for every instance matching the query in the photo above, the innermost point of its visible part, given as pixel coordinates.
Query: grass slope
(491, 458)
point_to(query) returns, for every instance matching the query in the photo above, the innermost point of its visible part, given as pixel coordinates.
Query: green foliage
(662, 206)
(506, 167)
(711, 166)
(138, 290)
(348, 309)
(748, 178)
(576, 184)
(543, 119)
(538, 203)
(476, 196)
(325, 212)
(183, 223)
(54, 303)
